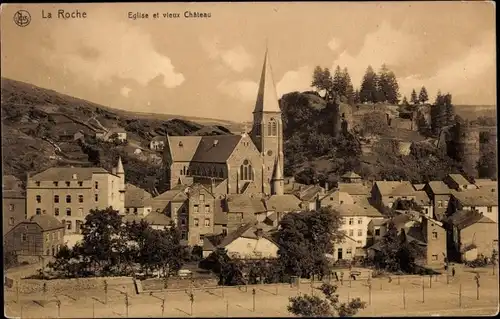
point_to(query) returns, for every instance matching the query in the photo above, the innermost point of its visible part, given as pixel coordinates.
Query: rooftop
(67, 173)
(351, 174)
(361, 207)
(283, 203)
(245, 204)
(465, 218)
(477, 197)
(354, 188)
(439, 188)
(459, 179)
(422, 198)
(397, 188)
(135, 196)
(46, 222)
(249, 230)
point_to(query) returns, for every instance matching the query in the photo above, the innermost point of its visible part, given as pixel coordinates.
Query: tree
(405, 101)
(356, 98)
(392, 94)
(349, 89)
(374, 123)
(338, 84)
(413, 97)
(304, 238)
(314, 306)
(368, 90)
(423, 96)
(487, 164)
(322, 80)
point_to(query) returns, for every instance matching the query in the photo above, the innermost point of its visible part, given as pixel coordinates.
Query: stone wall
(28, 286)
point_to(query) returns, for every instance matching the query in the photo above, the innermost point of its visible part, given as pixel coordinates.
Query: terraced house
(69, 193)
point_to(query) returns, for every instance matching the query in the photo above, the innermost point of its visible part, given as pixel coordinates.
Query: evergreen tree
(413, 98)
(405, 101)
(423, 96)
(392, 92)
(383, 84)
(338, 82)
(356, 97)
(349, 89)
(449, 110)
(368, 90)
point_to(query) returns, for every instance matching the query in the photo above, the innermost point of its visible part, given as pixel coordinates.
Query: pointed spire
(267, 99)
(277, 173)
(119, 167)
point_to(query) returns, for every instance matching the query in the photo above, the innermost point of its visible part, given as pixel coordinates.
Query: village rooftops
(68, 173)
(309, 193)
(439, 188)
(395, 188)
(353, 188)
(283, 203)
(245, 204)
(477, 197)
(135, 196)
(158, 139)
(361, 208)
(465, 218)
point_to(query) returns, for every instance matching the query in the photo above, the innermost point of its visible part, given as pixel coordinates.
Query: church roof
(277, 174)
(216, 149)
(267, 99)
(183, 148)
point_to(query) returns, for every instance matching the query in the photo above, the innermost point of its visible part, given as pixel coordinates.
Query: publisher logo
(22, 18)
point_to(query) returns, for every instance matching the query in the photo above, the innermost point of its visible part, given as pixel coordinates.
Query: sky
(210, 67)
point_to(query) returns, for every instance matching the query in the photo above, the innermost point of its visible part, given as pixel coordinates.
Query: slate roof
(243, 203)
(459, 179)
(66, 173)
(477, 197)
(135, 196)
(207, 245)
(246, 231)
(353, 188)
(310, 193)
(422, 198)
(465, 218)
(283, 203)
(358, 209)
(46, 222)
(175, 194)
(487, 183)
(439, 188)
(183, 148)
(267, 99)
(395, 188)
(208, 152)
(13, 194)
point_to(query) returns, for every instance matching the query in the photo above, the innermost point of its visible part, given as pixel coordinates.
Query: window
(440, 203)
(344, 221)
(434, 235)
(202, 197)
(135, 210)
(38, 199)
(68, 211)
(37, 183)
(434, 257)
(56, 211)
(349, 251)
(68, 225)
(489, 209)
(341, 202)
(445, 204)
(80, 198)
(359, 242)
(11, 221)
(56, 184)
(207, 208)
(246, 173)
(207, 222)
(183, 221)
(96, 197)
(56, 198)
(24, 237)
(183, 235)
(196, 209)
(272, 128)
(202, 237)
(351, 221)
(351, 232)
(196, 222)
(80, 211)
(11, 207)
(377, 232)
(360, 221)
(80, 184)
(96, 185)
(360, 232)
(68, 184)
(68, 199)
(38, 211)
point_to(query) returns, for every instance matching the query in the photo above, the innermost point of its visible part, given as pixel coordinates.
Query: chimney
(326, 186)
(74, 176)
(113, 170)
(216, 142)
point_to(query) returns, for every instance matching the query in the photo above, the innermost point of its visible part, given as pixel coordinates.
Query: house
(172, 202)
(354, 188)
(135, 199)
(423, 200)
(14, 209)
(283, 204)
(10, 182)
(482, 200)
(157, 143)
(439, 194)
(356, 214)
(335, 197)
(458, 182)
(250, 241)
(486, 183)
(350, 177)
(69, 193)
(377, 228)
(201, 214)
(472, 234)
(385, 193)
(242, 209)
(40, 235)
(309, 195)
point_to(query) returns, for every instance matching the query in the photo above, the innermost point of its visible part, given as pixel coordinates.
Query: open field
(397, 298)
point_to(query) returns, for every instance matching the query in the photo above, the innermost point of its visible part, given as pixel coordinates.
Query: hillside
(314, 153)
(39, 124)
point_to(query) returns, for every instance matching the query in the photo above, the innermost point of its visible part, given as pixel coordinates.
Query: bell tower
(267, 129)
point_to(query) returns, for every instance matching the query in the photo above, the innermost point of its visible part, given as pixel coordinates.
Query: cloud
(295, 80)
(124, 52)
(242, 90)
(237, 58)
(125, 91)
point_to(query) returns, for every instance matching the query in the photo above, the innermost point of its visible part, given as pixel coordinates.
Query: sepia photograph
(265, 159)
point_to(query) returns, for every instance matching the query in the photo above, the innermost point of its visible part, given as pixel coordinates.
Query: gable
(182, 148)
(216, 149)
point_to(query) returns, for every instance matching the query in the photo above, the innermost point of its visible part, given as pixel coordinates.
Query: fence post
(404, 298)
(17, 290)
(430, 281)
(162, 308)
(191, 298)
(58, 303)
(253, 293)
(227, 308)
(369, 291)
(105, 291)
(45, 291)
(93, 308)
(126, 304)
(460, 296)
(423, 290)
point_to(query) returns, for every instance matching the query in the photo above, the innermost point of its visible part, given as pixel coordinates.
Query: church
(250, 164)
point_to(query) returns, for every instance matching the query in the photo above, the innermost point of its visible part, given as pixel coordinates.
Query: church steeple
(267, 99)
(277, 180)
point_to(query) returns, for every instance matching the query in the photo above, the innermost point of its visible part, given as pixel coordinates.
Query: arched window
(272, 127)
(246, 173)
(68, 198)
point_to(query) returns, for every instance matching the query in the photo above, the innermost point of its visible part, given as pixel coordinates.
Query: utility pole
(191, 298)
(423, 290)
(105, 291)
(58, 303)
(460, 296)
(477, 285)
(17, 290)
(369, 291)
(253, 293)
(162, 308)
(404, 298)
(126, 304)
